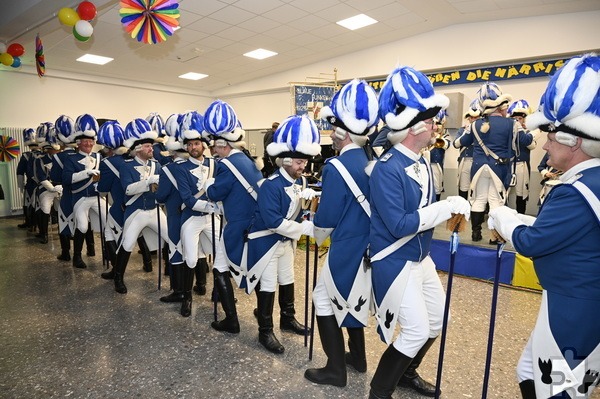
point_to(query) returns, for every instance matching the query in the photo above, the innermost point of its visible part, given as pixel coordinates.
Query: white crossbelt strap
(392, 248)
(171, 178)
(249, 189)
(112, 168)
(590, 197)
(135, 197)
(58, 161)
(358, 194)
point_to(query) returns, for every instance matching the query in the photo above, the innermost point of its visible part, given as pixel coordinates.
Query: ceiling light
(94, 59)
(260, 54)
(357, 22)
(193, 76)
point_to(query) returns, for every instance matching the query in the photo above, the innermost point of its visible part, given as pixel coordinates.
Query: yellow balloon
(68, 16)
(6, 59)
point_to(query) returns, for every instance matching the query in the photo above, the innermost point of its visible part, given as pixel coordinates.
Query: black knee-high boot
(122, 260)
(111, 252)
(25, 223)
(225, 289)
(438, 196)
(332, 339)
(200, 270)
(464, 194)
(78, 238)
(527, 389)
(65, 247)
(266, 337)
(188, 281)
(521, 205)
(146, 255)
(38, 222)
(411, 379)
(476, 222)
(357, 357)
(389, 370)
(176, 284)
(32, 220)
(287, 319)
(44, 220)
(89, 241)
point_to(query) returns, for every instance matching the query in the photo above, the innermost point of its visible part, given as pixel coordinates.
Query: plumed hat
(29, 137)
(86, 126)
(491, 97)
(173, 132)
(571, 102)
(192, 127)
(139, 131)
(156, 123)
(65, 127)
(474, 110)
(519, 108)
(42, 131)
(440, 117)
(407, 97)
(221, 121)
(353, 108)
(51, 139)
(296, 137)
(111, 135)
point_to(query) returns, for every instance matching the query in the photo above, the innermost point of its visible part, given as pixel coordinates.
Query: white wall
(28, 100)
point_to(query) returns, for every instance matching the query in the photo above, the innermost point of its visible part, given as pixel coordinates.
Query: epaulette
(129, 160)
(386, 157)
(273, 176)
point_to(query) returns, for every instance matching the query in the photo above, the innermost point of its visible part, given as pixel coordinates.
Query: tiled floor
(64, 332)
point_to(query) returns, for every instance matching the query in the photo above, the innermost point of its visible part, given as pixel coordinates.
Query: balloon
(6, 59)
(79, 37)
(86, 10)
(68, 16)
(16, 62)
(2, 48)
(83, 28)
(16, 50)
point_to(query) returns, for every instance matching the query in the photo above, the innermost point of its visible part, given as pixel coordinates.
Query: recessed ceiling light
(357, 22)
(193, 76)
(94, 59)
(260, 54)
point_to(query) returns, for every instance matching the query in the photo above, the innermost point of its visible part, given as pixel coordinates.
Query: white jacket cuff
(434, 214)
(289, 229)
(79, 176)
(137, 187)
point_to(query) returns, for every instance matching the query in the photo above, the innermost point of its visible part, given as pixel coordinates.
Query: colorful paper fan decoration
(40, 62)
(9, 148)
(149, 21)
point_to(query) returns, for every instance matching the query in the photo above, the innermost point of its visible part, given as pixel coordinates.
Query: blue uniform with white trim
(168, 194)
(340, 210)
(65, 206)
(238, 204)
(110, 182)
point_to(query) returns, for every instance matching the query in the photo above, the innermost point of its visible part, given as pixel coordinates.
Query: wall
(28, 100)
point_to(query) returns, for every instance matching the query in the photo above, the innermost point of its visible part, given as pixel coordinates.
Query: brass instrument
(439, 142)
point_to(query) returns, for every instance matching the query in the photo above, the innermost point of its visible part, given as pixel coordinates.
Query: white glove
(309, 193)
(58, 189)
(208, 183)
(434, 214)
(308, 228)
(153, 179)
(504, 221)
(460, 205)
(92, 172)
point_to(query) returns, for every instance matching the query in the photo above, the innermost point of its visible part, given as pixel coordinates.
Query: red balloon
(86, 10)
(15, 49)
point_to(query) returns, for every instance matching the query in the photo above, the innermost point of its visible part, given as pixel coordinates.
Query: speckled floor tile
(64, 332)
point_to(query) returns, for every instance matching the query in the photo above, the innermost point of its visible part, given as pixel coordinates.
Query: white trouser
(321, 299)
(438, 177)
(280, 268)
(47, 200)
(486, 191)
(464, 176)
(220, 262)
(522, 180)
(421, 311)
(81, 212)
(197, 237)
(139, 220)
(112, 230)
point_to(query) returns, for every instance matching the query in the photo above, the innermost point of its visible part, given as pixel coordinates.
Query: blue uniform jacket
(131, 172)
(238, 204)
(110, 182)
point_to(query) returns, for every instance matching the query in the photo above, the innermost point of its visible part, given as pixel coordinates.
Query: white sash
(249, 189)
(358, 194)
